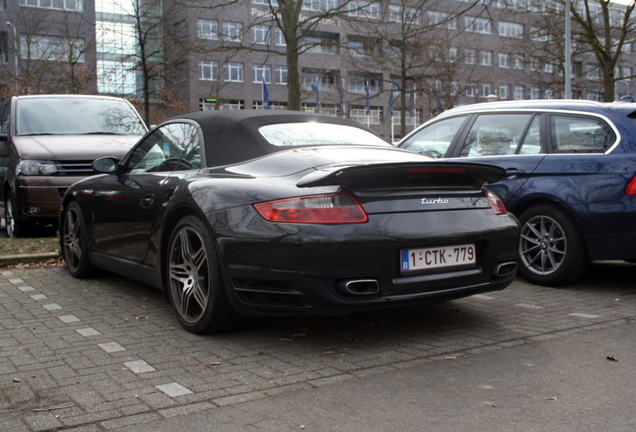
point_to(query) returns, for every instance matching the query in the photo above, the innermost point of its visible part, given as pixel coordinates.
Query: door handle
(147, 201)
(514, 172)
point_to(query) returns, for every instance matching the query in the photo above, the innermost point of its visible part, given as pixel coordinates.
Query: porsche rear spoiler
(406, 174)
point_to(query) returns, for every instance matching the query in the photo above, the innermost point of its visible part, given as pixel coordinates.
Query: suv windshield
(76, 116)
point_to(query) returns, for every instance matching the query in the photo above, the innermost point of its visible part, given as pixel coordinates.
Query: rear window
(317, 134)
(574, 134)
(76, 116)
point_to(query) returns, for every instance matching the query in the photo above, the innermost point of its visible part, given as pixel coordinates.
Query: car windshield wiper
(100, 133)
(37, 133)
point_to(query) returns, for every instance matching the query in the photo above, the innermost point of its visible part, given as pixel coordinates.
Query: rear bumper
(283, 269)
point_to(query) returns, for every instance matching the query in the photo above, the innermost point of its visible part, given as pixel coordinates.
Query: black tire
(15, 227)
(195, 283)
(74, 242)
(552, 251)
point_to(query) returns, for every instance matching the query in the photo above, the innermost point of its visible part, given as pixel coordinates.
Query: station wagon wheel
(551, 248)
(74, 242)
(194, 281)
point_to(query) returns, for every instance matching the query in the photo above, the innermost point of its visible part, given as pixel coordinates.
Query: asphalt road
(107, 354)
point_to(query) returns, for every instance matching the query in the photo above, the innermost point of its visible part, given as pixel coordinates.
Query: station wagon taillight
(631, 187)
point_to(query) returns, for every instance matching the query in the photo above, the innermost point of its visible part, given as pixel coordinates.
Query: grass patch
(21, 246)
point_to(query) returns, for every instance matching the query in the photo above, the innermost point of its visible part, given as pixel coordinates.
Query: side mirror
(105, 165)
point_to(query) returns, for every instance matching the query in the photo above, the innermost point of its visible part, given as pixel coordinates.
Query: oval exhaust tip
(363, 287)
(505, 269)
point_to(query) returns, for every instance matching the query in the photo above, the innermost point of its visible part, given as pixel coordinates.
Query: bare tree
(602, 32)
(413, 42)
(50, 54)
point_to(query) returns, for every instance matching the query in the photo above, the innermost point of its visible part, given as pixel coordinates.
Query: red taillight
(495, 202)
(335, 208)
(631, 187)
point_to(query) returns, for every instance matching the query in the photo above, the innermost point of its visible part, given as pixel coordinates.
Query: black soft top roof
(232, 136)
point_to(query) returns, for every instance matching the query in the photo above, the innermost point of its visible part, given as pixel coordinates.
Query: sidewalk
(565, 383)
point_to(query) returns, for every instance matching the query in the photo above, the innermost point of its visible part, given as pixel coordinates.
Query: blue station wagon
(570, 179)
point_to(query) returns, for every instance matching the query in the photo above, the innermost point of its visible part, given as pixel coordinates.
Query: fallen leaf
(302, 426)
(611, 357)
(550, 398)
(215, 363)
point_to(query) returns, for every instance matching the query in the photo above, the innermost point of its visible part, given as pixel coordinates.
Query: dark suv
(570, 176)
(48, 142)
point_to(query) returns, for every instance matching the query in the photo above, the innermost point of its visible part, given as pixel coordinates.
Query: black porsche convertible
(236, 214)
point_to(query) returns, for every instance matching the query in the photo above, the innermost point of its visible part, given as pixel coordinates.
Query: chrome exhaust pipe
(362, 287)
(505, 269)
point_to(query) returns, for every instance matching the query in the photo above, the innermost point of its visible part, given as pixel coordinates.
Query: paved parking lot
(104, 353)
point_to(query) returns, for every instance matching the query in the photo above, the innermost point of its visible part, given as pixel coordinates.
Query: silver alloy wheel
(543, 245)
(72, 233)
(188, 271)
(9, 218)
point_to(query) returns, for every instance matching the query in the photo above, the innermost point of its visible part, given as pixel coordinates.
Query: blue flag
(315, 88)
(391, 102)
(367, 106)
(266, 103)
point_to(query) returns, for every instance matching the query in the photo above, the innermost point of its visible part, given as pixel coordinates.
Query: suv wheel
(551, 249)
(15, 227)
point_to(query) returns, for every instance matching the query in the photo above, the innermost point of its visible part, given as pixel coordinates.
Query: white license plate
(438, 257)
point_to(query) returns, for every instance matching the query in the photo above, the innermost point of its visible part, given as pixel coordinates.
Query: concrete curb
(27, 258)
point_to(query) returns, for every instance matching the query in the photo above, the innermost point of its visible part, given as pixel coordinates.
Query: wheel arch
(171, 220)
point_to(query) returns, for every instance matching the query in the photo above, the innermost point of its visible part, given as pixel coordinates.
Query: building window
(207, 29)
(260, 34)
(115, 77)
(471, 90)
(520, 92)
(265, 2)
(52, 48)
(325, 79)
(279, 37)
(359, 46)
(319, 5)
(470, 56)
(486, 89)
(403, 14)
(261, 73)
(518, 61)
(539, 35)
(478, 25)
(232, 31)
(233, 72)
(548, 68)
(504, 60)
(504, 91)
(3, 48)
(281, 74)
(509, 29)
(322, 43)
(485, 58)
(3, 4)
(548, 94)
(364, 10)
(454, 88)
(208, 70)
(357, 83)
(451, 56)
(115, 38)
(68, 5)
(534, 64)
(442, 19)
